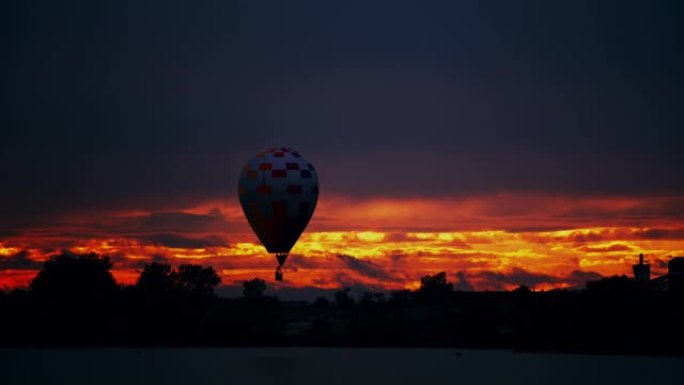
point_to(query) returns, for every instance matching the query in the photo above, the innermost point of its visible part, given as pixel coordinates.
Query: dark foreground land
(304, 366)
(552, 321)
(73, 302)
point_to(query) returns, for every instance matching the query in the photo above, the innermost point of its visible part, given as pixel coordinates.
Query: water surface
(303, 366)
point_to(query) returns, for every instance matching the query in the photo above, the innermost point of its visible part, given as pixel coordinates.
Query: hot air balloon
(278, 192)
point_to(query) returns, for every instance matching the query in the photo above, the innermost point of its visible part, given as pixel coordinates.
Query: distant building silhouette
(675, 273)
(642, 271)
(673, 281)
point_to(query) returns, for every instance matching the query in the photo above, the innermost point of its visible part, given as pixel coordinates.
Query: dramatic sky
(506, 143)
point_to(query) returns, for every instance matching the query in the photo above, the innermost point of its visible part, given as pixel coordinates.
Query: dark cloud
(579, 278)
(4, 234)
(652, 234)
(158, 258)
(396, 236)
(344, 280)
(462, 283)
(516, 276)
(170, 222)
(536, 229)
(494, 280)
(605, 249)
(120, 260)
(19, 261)
(586, 237)
(179, 241)
(620, 234)
(129, 105)
(399, 258)
(165, 228)
(366, 268)
(298, 261)
(648, 207)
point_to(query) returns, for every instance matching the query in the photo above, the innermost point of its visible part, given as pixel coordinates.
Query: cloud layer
(486, 243)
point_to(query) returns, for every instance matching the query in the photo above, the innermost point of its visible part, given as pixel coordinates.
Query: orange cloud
(490, 242)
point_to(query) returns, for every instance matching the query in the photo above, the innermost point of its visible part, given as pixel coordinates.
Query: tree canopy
(254, 288)
(161, 278)
(74, 276)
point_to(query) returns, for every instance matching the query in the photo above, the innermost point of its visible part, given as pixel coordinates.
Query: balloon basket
(279, 274)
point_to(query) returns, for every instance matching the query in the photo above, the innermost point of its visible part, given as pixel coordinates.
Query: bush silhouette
(522, 289)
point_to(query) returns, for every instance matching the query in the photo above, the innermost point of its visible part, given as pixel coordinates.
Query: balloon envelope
(278, 192)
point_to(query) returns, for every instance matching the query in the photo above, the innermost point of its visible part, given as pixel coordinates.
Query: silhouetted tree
(74, 276)
(198, 280)
(400, 297)
(321, 303)
(157, 278)
(370, 299)
(160, 278)
(343, 299)
(254, 288)
(435, 286)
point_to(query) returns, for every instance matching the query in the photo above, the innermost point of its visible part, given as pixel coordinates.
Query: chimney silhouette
(642, 271)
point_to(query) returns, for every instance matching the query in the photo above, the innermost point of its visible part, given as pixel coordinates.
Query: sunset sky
(505, 143)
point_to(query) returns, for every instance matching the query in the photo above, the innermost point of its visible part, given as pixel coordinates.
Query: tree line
(75, 301)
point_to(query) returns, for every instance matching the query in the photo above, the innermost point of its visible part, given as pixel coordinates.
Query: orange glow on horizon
(488, 243)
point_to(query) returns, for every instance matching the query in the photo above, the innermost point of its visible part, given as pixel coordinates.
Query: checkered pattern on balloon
(278, 191)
